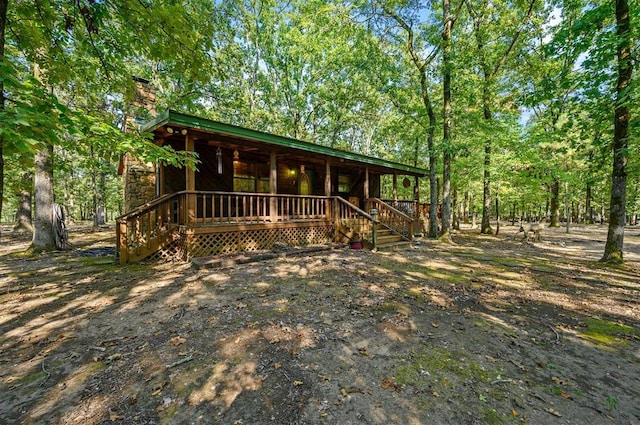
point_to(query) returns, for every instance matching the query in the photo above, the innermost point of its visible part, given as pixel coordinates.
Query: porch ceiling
(247, 138)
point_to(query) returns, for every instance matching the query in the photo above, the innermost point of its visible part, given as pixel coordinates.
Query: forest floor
(485, 330)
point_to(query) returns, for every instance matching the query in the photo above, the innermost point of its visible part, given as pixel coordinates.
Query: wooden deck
(184, 225)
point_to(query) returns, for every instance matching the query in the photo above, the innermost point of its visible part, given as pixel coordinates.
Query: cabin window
(250, 177)
(344, 183)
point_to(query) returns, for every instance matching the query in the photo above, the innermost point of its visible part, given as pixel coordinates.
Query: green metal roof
(189, 121)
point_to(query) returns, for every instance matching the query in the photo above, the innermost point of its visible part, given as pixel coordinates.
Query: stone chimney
(138, 177)
(142, 107)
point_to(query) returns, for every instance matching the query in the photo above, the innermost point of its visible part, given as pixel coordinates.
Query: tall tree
(613, 251)
(421, 65)
(492, 54)
(447, 68)
(4, 4)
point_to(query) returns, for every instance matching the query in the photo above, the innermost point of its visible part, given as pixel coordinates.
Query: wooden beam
(366, 183)
(273, 185)
(273, 174)
(190, 180)
(327, 178)
(395, 189)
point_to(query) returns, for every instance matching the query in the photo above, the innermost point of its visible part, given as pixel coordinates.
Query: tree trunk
(588, 208)
(446, 136)
(23, 214)
(497, 211)
(485, 226)
(43, 236)
(567, 212)
(433, 180)
(99, 212)
(465, 208)
(456, 210)
(3, 23)
(555, 203)
(617, 219)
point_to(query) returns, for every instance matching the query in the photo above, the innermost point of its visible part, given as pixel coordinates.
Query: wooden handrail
(382, 204)
(142, 208)
(353, 207)
(393, 218)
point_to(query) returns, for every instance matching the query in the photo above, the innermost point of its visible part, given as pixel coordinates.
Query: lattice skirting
(203, 244)
(175, 251)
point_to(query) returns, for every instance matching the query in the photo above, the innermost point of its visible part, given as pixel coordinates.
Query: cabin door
(304, 184)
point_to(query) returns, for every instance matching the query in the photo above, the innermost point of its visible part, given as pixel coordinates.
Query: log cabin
(252, 191)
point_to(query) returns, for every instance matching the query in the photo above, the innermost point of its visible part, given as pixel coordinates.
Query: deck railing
(238, 207)
(148, 227)
(154, 225)
(352, 220)
(392, 218)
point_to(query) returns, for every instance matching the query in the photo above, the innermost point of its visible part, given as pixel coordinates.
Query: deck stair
(388, 240)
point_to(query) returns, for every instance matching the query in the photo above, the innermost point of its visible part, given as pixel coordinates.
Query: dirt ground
(486, 330)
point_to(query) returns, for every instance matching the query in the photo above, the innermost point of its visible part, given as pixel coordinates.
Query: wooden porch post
(190, 181)
(327, 178)
(416, 196)
(273, 186)
(395, 189)
(160, 174)
(366, 184)
(327, 187)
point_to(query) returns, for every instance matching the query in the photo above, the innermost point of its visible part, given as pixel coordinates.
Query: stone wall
(139, 182)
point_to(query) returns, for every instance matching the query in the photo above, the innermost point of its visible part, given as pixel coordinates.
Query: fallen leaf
(113, 416)
(514, 413)
(325, 377)
(566, 395)
(297, 383)
(388, 382)
(363, 351)
(277, 365)
(177, 340)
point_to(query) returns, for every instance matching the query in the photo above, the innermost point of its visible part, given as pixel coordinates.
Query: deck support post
(123, 249)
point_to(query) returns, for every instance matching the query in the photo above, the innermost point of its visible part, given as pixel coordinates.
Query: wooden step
(391, 238)
(392, 246)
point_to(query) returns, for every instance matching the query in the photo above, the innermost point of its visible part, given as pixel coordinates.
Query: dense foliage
(532, 90)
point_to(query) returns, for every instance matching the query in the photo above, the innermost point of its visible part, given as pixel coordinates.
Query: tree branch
(504, 56)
